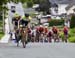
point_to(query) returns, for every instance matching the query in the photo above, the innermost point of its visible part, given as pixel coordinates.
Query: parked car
(55, 17)
(45, 19)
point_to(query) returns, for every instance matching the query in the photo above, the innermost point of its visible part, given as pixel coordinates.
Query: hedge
(56, 22)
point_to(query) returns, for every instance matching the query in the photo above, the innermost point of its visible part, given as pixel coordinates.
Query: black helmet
(26, 15)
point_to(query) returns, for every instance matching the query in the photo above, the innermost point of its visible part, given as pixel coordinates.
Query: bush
(72, 32)
(56, 22)
(72, 39)
(72, 22)
(72, 35)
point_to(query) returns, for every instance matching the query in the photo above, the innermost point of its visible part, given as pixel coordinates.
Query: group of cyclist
(46, 34)
(39, 33)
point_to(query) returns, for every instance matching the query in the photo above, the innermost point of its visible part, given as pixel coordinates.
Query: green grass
(1, 34)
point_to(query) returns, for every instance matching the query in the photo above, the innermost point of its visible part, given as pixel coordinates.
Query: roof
(62, 1)
(54, 5)
(69, 6)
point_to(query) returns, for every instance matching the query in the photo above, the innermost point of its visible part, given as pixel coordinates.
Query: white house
(70, 9)
(64, 6)
(57, 11)
(61, 9)
(18, 9)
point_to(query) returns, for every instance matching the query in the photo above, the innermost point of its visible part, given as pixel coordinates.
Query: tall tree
(44, 6)
(36, 1)
(72, 22)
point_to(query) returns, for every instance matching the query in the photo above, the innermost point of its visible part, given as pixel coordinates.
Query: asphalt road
(38, 50)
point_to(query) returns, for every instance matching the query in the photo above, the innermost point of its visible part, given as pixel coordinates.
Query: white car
(44, 19)
(55, 17)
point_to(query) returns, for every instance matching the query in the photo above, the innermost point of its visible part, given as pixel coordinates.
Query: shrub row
(56, 22)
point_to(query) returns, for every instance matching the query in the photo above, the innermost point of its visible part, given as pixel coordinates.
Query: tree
(72, 22)
(2, 10)
(29, 3)
(44, 6)
(36, 1)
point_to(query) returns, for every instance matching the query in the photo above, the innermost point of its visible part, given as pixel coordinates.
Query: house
(70, 9)
(64, 7)
(17, 7)
(58, 6)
